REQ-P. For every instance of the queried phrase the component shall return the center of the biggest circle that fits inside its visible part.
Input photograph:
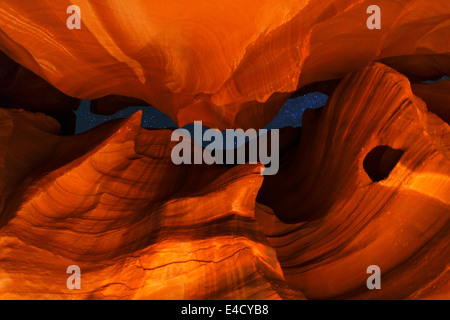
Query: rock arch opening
(380, 161)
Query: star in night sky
(151, 117)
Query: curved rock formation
(365, 181)
(110, 201)
(229, 64)
(436, 96)
(369, 184)
(420, 67)
(22, 89)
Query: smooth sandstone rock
(436, 96)
(230, 65)
(340, 220)
(365, 181)
(111, 202)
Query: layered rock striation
(231, 65)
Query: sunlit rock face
(111, 202)
(369, 184)
(365, 181)
(231, 64)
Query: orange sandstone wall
(340, 220)
(229, 64)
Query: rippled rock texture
(369, 184)
(232, 64)
(365, 181)
(112, 202)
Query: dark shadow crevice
(380, 161)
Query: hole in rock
(380, 161)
